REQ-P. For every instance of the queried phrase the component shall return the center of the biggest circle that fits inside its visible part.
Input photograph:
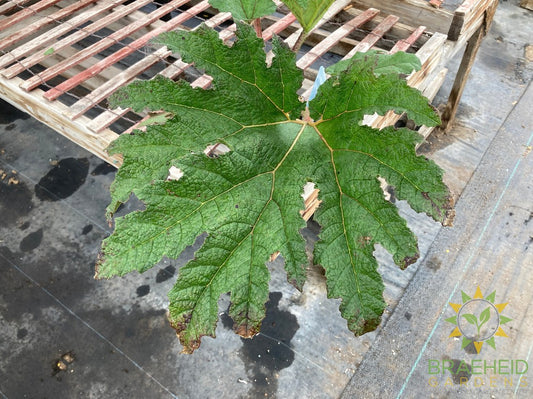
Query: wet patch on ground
(87, 229)
(63, 180)
(9, 114)
(103, 169)
(460, 370)
(16, 199)
(270, 351)
(31, 241)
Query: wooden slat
(414, 12)
(120, 80)
(75, 37)
(99, 46)
(405, 44)
(323, 47)
(48, 37)
(11, 5)
(106, 118)
(55, 92)
(26, 12)
(374, 36)
(278, 26)
(41, 23)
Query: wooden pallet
(60, 59)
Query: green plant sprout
(483, 318)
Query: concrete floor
(62, 334)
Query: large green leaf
(308, 12)
(249, 199)
(245, 10)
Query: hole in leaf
(388, 191)
(213, 151)
(174, 173)
(311, 201)
(273, 256)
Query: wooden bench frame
(39, 42)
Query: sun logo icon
(478, 320)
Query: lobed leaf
(245, 10)
(249, 200)
(308, 12)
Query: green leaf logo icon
(478, 320)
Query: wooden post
(467, 62)
(448, 116)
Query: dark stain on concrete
(143, 290)
(87, 229)
(15, 200)
(31, 241)
(21, 333)
(471, 349)
(461, 371)
(63, 180)
(24, 225)
(66, 274)
(408, 315)
(103, 169)
(165, 274)
(268, 352)
(434, 263)
(9, 114)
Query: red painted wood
(26, 12)
(374, 36)
(94, 49)
(404, 44)
(34, 27)
(321, 48)
(73, 38)
(278, 26)
(55, 92)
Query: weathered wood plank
(50, 36)
(310, 57)
(26, 12)
(278, 26)
(55, 92)
(414, 12)
(69, 40)
(527, 4)
(115, 83)
(11, 5)
(467, 62)
(405, 44)
(374, 36)
(44, 21)
(99, 46)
